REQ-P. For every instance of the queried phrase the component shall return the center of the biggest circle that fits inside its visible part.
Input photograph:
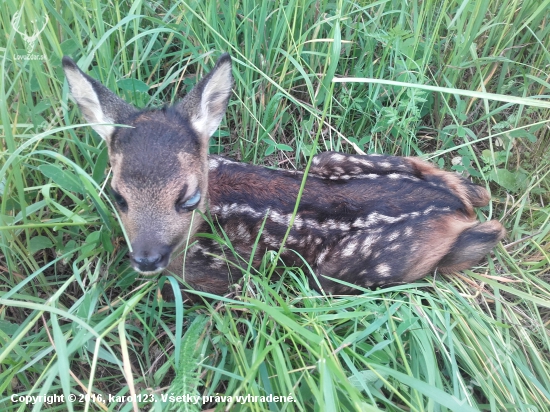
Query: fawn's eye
(119, 200)
(189, 204)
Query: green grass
(74, 318)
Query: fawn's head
(159, 162)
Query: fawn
(367, 220)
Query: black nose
(147, 262)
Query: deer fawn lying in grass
(367, 220)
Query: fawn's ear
(206, 103)
(97, 103)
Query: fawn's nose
(149, 262)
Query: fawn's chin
(149, 273)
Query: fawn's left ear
(206, 103)
(97, 103)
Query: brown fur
(366, 220)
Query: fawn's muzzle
(150, 261)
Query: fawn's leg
(471, 246)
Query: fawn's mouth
(151, 261)
(148, 274)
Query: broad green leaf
(133, 85)
(63, 178)
(38, 243)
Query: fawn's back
(366, 220)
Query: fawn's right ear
(97, 103)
